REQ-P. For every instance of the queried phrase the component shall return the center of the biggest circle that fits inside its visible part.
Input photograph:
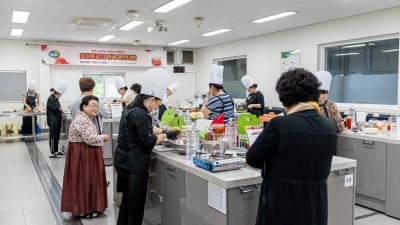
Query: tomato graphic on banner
(156, 61)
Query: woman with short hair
(84, 192)
(295, 154)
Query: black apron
(26, 127)
(251, 99)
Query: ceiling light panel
(171, 5)
(106, 37)
(131, 25)
(354, 46)
(220, 31)
(391, 50)
(274, 17)
(16, 32)
(179, 42)
(20, 17)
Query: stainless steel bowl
(167, 143)
(180, 146)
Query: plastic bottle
(231, 133)
(192, 143)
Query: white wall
(263, 52)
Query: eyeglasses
(94, 106)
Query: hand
(242, 103)
(29, 108)
(173, 135)
(105, 138)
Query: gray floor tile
(361, 211)
(14, 217)
(380, 219)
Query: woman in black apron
(255, 99)
(31, 101)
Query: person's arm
(337, 118)
(24, 102)
(103, 111)
(264, 145)
(89, 133)
(38, 102)
(204, 108)
(260, 99)
(53, 105)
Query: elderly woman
(295, 153)
(84, 191)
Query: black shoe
(90, 215)
(108, 183)
(55, 155)
(60, 153)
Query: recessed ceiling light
(16, 32)
(171, 5)
(354, 46)
(216, 32)
(178, 42)
(273, 17)
(131, 25)
(106, 37)
(20, 17)
(391, 50)
(352, 53)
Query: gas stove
(218, 162)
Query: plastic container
(352, 116)
(231, 133)
(192, 143)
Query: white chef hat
(32, 85)
(119, 82)
(217, 74)
(155, 82)
(247, 81)
(324, 77)
(173, 87)
(62, 87)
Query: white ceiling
(49, 19)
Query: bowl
(167, 143)
(180, 146)
(370, 130)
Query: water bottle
(231, 133)
(192, 143)
(352, 116)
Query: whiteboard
(12, 85)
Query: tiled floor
(23, 201)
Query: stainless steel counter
(15, 114)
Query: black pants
(53, 145)
(127, 215)
(26, 127)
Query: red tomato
(156, 61)
(43, 47)
(61, 61)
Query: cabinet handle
(246, 190)
(343, 173)
(368, 142)
(170, 168)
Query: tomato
(61, 61)
(156, 61)
(43, 47)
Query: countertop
(245, 176)
(234, 178)
(22, 114)
(380, 137)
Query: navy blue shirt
(219, 104)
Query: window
(187, 56)
(105, 86)
(234, 70)
(364, 72)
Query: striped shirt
(221, 103)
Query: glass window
(234, 70)
(364, 72)
(105, 86)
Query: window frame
(216, 61)
(364, 107)
(103, 75)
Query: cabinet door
(243, 204)
(345, 153)
(371, 168)
(107, 146)
(393, 181)
(345, 143)
(340, 198)
(173, 195)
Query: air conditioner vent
(92, 24)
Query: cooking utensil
(180, 146)
(167, 143)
